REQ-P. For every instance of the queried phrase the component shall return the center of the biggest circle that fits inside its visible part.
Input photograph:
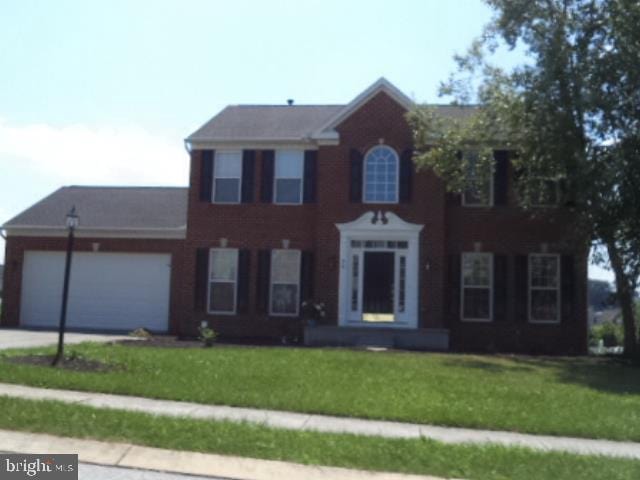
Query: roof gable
(381, 85)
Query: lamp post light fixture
(72, 223)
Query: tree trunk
(625, 297)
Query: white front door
(379, 272)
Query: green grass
(350, 451)
(584, 397)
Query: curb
(126, 455)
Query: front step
(379, 341)
(411, 339)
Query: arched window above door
(381, 166)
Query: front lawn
(350, 451)
(584, 397)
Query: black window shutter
(206, 175)
(268, 166)
(567, 193)
(355, 179)
(567, 289)
(454, 199)
(244, 265)
(248, 175)
(455, 289)
(499, 288)
(262, 285)
(306, 276)
(406, 176)
(201, 280)
(500, 177)
(310, 175)
(522, 288)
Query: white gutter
(178, 233)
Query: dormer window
(227, 176)
(289, 169)
(381, 175)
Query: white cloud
(78, 154)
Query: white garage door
(107, 291)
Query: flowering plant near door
(313, 312)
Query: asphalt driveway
(18, 338)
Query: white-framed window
(477, 195)
(477, 287)
(544, 288)
(223, 280)
(285, 283)
(289, 171)
(227, 176)
(381, 172)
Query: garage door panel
(110, 291)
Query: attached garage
(127, 255)
(107, 291)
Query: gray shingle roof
(109, 207)
(282, 122)
(265, 122)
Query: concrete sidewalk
(325, 423)
(191, 463)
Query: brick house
(311, 202)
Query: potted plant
(207, 335)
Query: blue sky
(104, 92)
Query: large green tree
(569, 112)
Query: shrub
(207, 335)
(611, 334)
(140, 333)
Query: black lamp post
(72, 224)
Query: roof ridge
(124, 187)
(241, 105)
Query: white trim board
(386, 226)
(152, 233)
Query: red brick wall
(447, 230)
(16, 246)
